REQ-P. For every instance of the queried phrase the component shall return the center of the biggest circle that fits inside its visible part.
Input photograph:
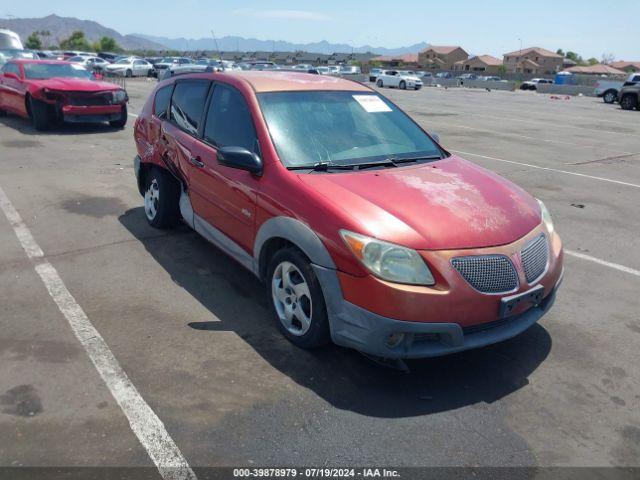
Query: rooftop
(541, 51)
(597, 69)
(442, 49)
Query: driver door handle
(196, 162)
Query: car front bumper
(354, 327)
(91, 114)
(448, 317)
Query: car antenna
(215, 40)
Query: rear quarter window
(187, 104)
(161, 102)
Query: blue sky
(588, 27)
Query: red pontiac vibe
(48, 91)
(364, 229)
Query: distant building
(480, 63)
(597, 69)
(534, 60)
(409, 60)
(441, 57)
(630, 67)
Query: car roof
(44, 60)
(275, 81)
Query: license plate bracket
(509, 304)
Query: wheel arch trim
(296, 232)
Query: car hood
(74, 85)
(447, 204)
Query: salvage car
(130, 67)
(364, 229)
(398, 79)
(49, 91)
(93, 64)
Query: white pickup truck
(398, 79)
(608, 89)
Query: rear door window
(229, 122)
(187, 105)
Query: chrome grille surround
(488, 273)
(535, 258)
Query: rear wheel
(129, 74)
(39, 112)
(609, 96)
(379, 84)
(3, 113)
(122, 121)
(403, 85)
(629, 102)
(297, 300)
(161, 199)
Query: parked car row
(609, 90)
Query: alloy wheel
(292, 298)
(151, 200)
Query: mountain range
(62, 27)
(242, 44)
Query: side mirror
(240, 158)
(435, 136)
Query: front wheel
(128, 74)
(122, 121)
(609, 97)
(296, 299)
(403, 85)
(628, 102)
(39, 112)
(379, 84)
(161, 199)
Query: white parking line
(615, 266)
(601, 179)
(146, 425)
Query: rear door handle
(196, 162)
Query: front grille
(90, 100)
(535, 256)
(487, 273)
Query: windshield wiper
(415, 159)
(321, 167)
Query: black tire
(418, 87)
(3, 113)
(128, 74)
(318, 333)
(39, 113)
(123, 119)
(403, 85)
(166, 211)
(610, 96)
(629, 102)
(380, 84)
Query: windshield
(341, 128)
(50, 70)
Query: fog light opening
(395, 339)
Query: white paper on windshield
(372, 103)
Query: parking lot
(192, 333)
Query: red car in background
(364, 229)
(50, 91)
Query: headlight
(546, 216)
(119, 96)
(388, 261)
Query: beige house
(533, 60)
(627, 66)
(441, 57)
(480, 63)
